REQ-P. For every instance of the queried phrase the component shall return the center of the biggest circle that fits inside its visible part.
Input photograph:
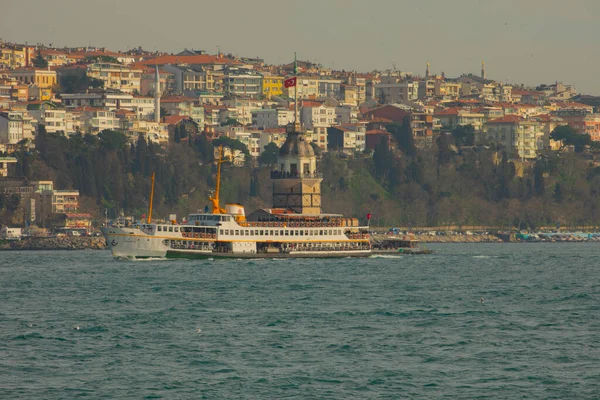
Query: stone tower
(296, 184)
(483, 70)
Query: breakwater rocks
(427, 238)
(55, 243)
(458, 239)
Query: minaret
(483, 70)
(157, 97)
(427, 70)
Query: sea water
(470, 321)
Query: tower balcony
(297, 175)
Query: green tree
(39, 61)
(269, 155)
(402, 133)
(112, 140)
(12, 202)
(464, 135)
(177, 134)
(570, 137)
(233, 144)
(558, 193)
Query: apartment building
(11, 127)
(270, 118)
(116, 76)
(520, 138)
(242, 82)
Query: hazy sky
(524, 41)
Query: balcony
(285, 175)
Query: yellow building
(15, 56)
(42, 78)
(272, 86)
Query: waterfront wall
(55, 243)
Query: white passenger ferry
(294, 227)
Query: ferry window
(330, 232)
(321, 232)
(301, 233)
(306, 232)
(276, 233)
(281, 232)
(237, 232)
(227, 231)
(176, 229)
(261, 232)
(287, 233)
(220, 231)
(170, 229)
(246, 232)
(160, 228)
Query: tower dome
(296, 145)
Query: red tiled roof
(507, 119)
(274, 130)
(84, 54)
(123, 111)
(212, 108)
(176, 99)
(311, 104)
(572, 105)
(174, 119)
(197, 59)
(54, 52)
(522, 92)
(449, 111)
(380, 120)
(377, 132)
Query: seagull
(482, 300)
(76, 328)
(198, 330)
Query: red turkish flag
(289, 82)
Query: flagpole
(296, 122)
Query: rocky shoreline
(424, 238)
(55, 243)
(458, 239)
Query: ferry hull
(131, 243)
(196, 255)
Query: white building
(143, 107)
(11, 127)
(272, 118)
(392, 89)
(53, 119)
(95, 120)
(108, 100)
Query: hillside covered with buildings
(82, 129)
